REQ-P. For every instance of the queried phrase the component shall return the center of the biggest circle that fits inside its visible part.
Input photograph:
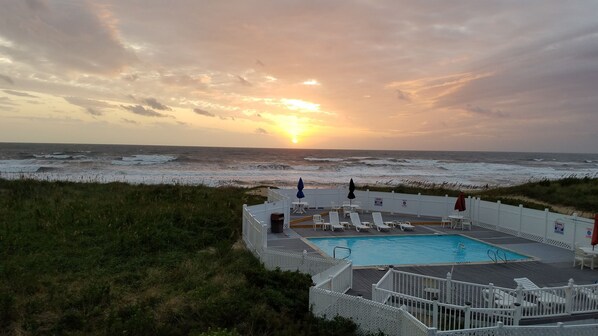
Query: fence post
(545, 224)
(449, 287)
(467, 315)
(517, 316)
(520, 219)
(419, 204)
(393, 202)
(435, 312)
(367, 197)
(491, 295)
(446, 206)
(519, 290)
(375, 293)
(500, 328)
(264, 235)
(574, 229)
(497, 215)
(561, 328)
(569, 296)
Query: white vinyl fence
(541, 226)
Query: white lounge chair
(379, 223)
(445, 221)
(335, 223)
(356, 222)
(504, 299)
(405, 226)
(545, 297)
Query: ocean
(249, 167)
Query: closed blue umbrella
(300, 193)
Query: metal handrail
(340, 247)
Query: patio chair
(583, 258)
(379, 223)
(356, 222)
(405, 226)
(545, 297)
(335, 223)
(445, 221)
(319, 221)
(466, 222)
(503, 299)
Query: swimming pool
(411, 250)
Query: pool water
(411, 250)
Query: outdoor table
(588, 250)
(456, 221)
(299, 207)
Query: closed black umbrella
(351, 190)
(300, 193)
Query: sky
(399, 75)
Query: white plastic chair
(335, 223)
(356, 222)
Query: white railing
(254, 232)
(371, 316)
(501, 330)
(338, 278)
(420, 291)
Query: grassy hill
(118, 259)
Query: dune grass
(575, 194)
(116, 259)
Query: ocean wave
(19, 166)
(143, 160)
(54, 156)
(272, 166)
(324, 159)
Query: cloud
(402, 95)
(261, 131)
(7, 79)
(203, 112)
(244, 81)
(140, 110)
(93, 107)
(129, 121)
(63, 36)
(6, 102)
(484, 111)
(20, 94)
(153, 103)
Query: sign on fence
(559, 227)
(378, 201)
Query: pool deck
(553, 266)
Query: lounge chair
(545, 297)
(405, 226)
(504, 299)
(335, 223)
(379, 223)
(356, 222)
(445, 221)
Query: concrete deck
(553, 265)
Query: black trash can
(276, 222)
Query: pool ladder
(341, 247)
(496, 256)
